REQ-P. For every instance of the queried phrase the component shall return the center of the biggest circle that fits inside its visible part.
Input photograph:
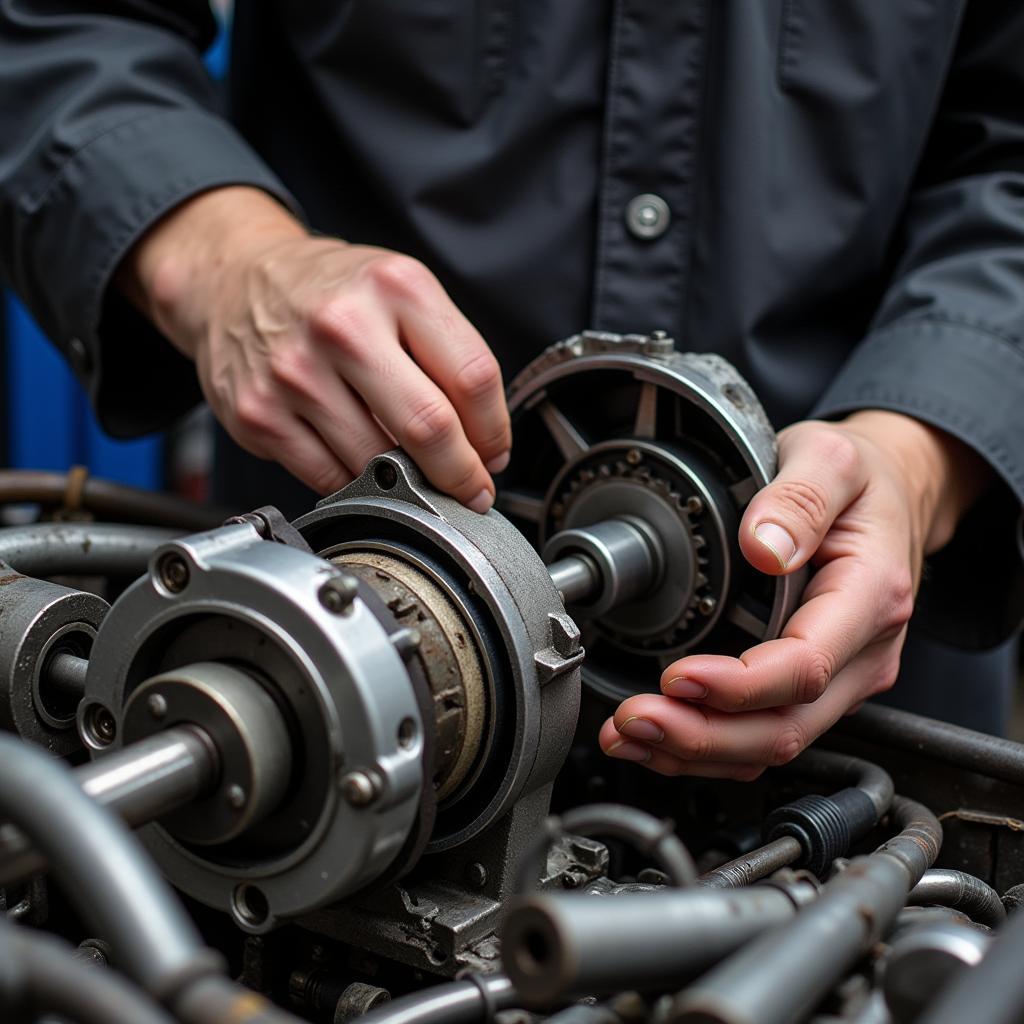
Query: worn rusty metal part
(446, 653)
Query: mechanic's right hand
(320, 354)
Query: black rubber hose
(844, 770)
(781, 976)
(470, 1001)
(959, 891)
(46, 978)
(116, 887)
(81, 549)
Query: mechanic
(830, 195)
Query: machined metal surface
(531, 649)
(292, 623)
(140, 784)
(679, 442)
(38, 620)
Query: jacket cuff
(102, 199)
(967, 380)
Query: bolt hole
(173, 572)
(251, 904)
(385, 475)
(407, 732)
(100, 725)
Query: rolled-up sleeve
(107, 121)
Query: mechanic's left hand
(863, 501)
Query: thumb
(821, 472)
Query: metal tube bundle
(562, 945)
(780, 977)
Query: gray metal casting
(229, 594)
(490, 572)
(698, 446)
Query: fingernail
(777, 541)
(482, 502)
(688, 689)
(642, 729)
(629, 751)
(499, 463)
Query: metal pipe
(66, 673)
(105, 871)
(81, 549)
(990, 993)
(48, 979)
(753, 866)
(576, 577)
(559, 946)
(965, 749)
(959, 891)
(782, 975)
(107, 500)
(471, 1001)
(828, 766)
(139, 783)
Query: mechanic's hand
(863, 501)
(319, 354)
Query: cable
(43, 977)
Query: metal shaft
(576, 577)
(140, 783)
(66, 672)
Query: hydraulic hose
(782, 975)
(105, 869)
(81, 549)
(106, 500)
(470, 1001)
(42, 977)
(959, 891)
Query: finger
(409, 405)
(821, 472)
(457, 359)
(769, 737)
(614, 745)
(337, 414)
(848, 605)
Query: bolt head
(173, 572)
(338, 594)
(236, 797)
(694, 505)
(707, 605)
(156, 703)
(634, 456)
(359, 789)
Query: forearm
(181, 259)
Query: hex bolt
(360, 789)
(694, 505)
(338, 594)
(236, 796)
(476, 874)
(173, 572)
(406, 642)
(707, 605)
(157, 705)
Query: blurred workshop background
(46, 420)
